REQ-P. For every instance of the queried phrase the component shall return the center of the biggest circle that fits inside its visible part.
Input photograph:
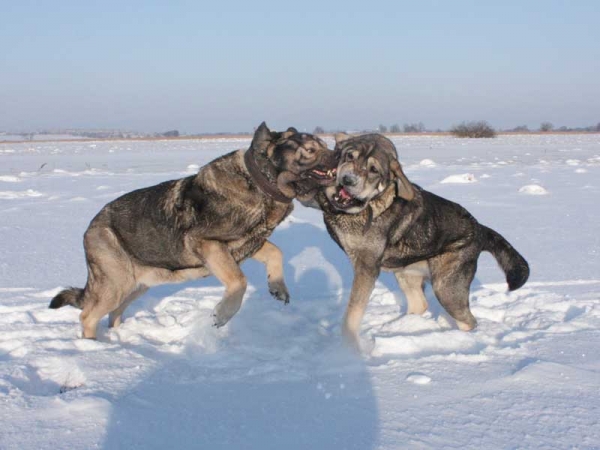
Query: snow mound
(418, 378)
(440, 343)
(11, 195)
(460, 179)
(533, 189)
(10, 179)
(427, 163)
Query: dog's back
(438, 226)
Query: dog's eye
(349, 157)
(373, 169)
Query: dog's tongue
(344, 194)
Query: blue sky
(226, 66)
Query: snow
(459, 179)
(427, 163)
(11, 195)
(9, 179)
(279, 376)
(533, 189)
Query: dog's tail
(72, 296)
(512, 263)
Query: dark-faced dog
(382, 221)
(201, 225)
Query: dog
(382, 221)
(201, 225)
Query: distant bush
(546, 126)
(520, 129)
(480, 129)
(395, 128)
(171, 133)
(414, 127)
(318, 130)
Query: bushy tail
(512, 263)
(72, 296)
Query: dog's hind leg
(99, 301)
(412, 286)
(270, 255)
(451, 279)
(110, 278)
(220, 263)
(114, 317)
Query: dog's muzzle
(349, 179)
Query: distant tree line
(546, 127)
(464, 129)
(473, 129)
(395, 128)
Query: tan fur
(221, 264)
(411, 280)
(114, 317)
(270, 255)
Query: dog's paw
(218, 322)
(279, 292)
(225, 310)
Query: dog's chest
(275, 213)
(269, 217)
(347, 231)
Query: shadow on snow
(281, 378)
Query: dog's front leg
(220, 263)
(366, 271)
(270, 255)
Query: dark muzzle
(349, 180)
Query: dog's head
(292, 151)
(367, 166)
(299, 163)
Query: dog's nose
(349, 180)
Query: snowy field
(278, 377)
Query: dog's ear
(286, 134)
(341, 137)
(404, 188)
(262, 138)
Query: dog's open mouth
(322, 175)
(343, 199)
